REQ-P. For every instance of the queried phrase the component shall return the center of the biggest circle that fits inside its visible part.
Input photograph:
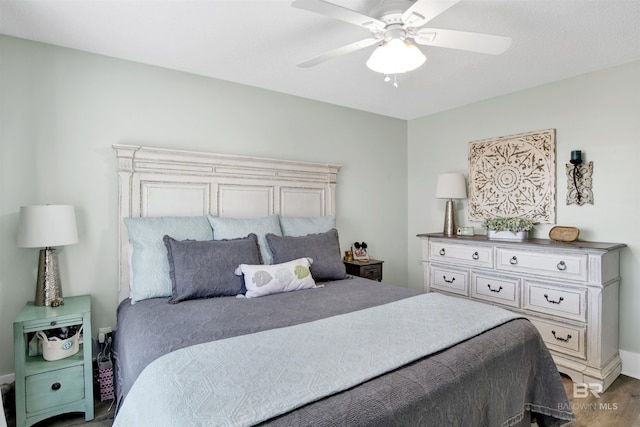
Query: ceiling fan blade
(338, 52)
(423, 11)
(463, 40)
(338, 12)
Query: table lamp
(45, 226)
(450, 186)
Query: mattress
(500, 377)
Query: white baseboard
(630, 364)
(7, 379)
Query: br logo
(581, 390)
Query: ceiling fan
(394, 24)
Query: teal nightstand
(43, 388)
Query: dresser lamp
(46, 226)
(450, 186)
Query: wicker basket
(56, 349)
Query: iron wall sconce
(579, 180)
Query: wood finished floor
(619, 406)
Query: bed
(341, 351)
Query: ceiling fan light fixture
(396, 56)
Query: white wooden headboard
(164, 182)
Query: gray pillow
(323, 248)
(205, 269)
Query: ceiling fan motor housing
(395, 31)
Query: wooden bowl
(564, 234)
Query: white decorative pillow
(149, 271)
(261, 280)
(235, 228)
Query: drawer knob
(496, 290)
(513, 260)
(443, 252)
(550, 301)
(561, 266)
(449, 281)
(475, 255)
(55, 386)
(53, 323)
(560, 338)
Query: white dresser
(569, 291)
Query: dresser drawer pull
(55, 386)
(53, 323)
(449, 281)
(475, 255)
(550, 301)
(560, 338)
(561, 266)
(513, 260)
(443, 252)
(494, 290)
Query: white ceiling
(259, 43)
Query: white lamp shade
(395, 57)
(44, 226)
(451, 186)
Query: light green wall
(598, 113)
(61, 110)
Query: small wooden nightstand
(44, 388)
(371, 269)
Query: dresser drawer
(567, 339)
(559, 265)
(503, 290)
(449, 280)
(570, 303)
(54, 388)
(474, 256)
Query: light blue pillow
(234, 228)
(301, 226)
(149, 264)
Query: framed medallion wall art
(513, 176)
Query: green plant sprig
(508, 224)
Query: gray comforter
(496, 378)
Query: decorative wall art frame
(514, 176)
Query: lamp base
(48, 285)
(449, 219)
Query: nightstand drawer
(503, 290)
(561, 337)
(567, 302)
(43, 324)
(559, 265)
(474, 256)
(371, 269)
(373, 272)
(450, 280)
(54, 388)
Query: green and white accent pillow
(261, 280)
